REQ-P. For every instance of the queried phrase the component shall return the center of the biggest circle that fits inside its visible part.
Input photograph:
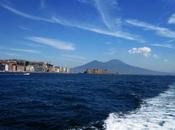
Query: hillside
(115, 66)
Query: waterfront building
(2, 67)
(67, 70)
(57, 69)
(30, 68)
(50, 68)
(61, 69)
(11, 67)
(20, 68)
(15, 65)
(8, 64)
(97, 71)
(14, 68)
(6, 67)
(37, 66)
(64, 70)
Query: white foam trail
(156, 114)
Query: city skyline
(17, 65)
(74, 32)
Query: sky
(74, 32)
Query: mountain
(116, 66)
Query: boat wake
(157, 113)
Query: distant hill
(116, 66)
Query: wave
(156, 113)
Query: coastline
(4, 73)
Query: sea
(48, 101)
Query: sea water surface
(86, 102)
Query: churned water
(86, 102)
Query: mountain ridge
(116, 66)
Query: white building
(30, 68)
(57, 69)
(6, 67)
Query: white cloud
(55, 20)
(61, 45)
(104, 8)
(145, 51)
(171, 20)
(24, 28)
(24, 50)
(117, 34)
(19, 50)
(163, 45)
(10, 54)
(25, 15)
(165, 32)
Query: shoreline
(35, 72)
(2, 72)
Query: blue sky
(73, 32)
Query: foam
(155, 114)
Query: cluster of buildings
(97, 71)
(15, 65)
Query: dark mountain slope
(115, 66)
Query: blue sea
(86, 102)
